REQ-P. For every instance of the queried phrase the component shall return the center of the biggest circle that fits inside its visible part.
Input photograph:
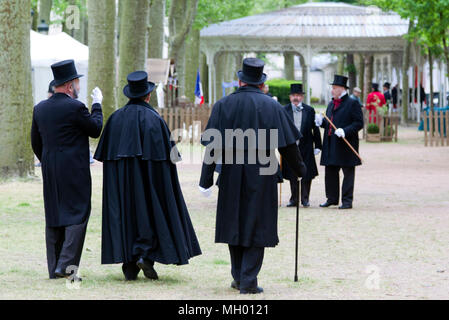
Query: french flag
(199, 98)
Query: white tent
(46, 50)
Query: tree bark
(182, 16)
(341, 64)
(133, 41)
(102, 63)
(35, 19)
(204, 71)
(351, 71)
(369, 59)
(304, 75)
(361, 84)
(289, 66)
(45, 10)
(431, 79)
(156, 33)
(405, 67)
(192, 62)
(16, 99)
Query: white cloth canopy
(46, 50)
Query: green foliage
(210, 12)
(373, 128)
(314, 100)
(388, 131)
(280, 88)
(60, 6)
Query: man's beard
(75, 93)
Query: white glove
(340, 133)
(205, 192)
(318, 120)
(316, 151)
(97, 96)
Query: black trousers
(64, 247)
(246, 263)
(305, 191)
(332, 181)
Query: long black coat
(247, 208)
(60, 139)
(349, 117)
(144, 213)
(310, 140)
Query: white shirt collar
(343, 94)
(299, 105)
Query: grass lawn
(397, 233)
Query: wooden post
(426, 128)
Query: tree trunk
(102, 63)
(431, 80)
(341, 64)
(16, 99)
(133, 41)
(192, 62)
(361, 84)
(369, 59)
(352, 73)
(405, 67)
(79, 33)
(156, 33)
(45, 10)
(304, 75)
(204, 71)
(35, 19)
(182, 16)
(289, 66)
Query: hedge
(281, 89)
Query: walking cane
(297, 231)
(349, 145)
(280, 184)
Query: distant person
(394, 96)
(266, 90)
(374, 100)
(386, 92)
(51, 89)
(356, 92)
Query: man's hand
(97, 96)
(340, 133)
(318, 120)
(316, 151)
(205, 192)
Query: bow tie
(297, 108)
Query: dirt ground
(392, 245)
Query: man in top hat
(374, 100)
(310, 144)
(386, 92)
(145, 218)
(247, 199)
(60, 135)
(346, 114)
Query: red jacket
(374, 100)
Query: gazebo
(310, 29)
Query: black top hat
(296, 88)
(375, 86)
(340, 81)
(252, 71)
(64, 71)
(138, 85)
(387, 85)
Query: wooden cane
(280, 184)
(297, 231)
(349, 145)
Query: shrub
(373, 128)
(389, 131)
(314, 100)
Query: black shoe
(255, 290)
(235, 285)
(306, 204)
(292, 204)
(60, 274)
(147, 269)
(345, 206)
(130, 271)
(327, 204)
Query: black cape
(247, 208)
(144, 213)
